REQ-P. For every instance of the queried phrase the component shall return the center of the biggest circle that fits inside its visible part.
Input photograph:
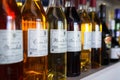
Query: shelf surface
(110, 72)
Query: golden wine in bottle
(35, 36)
(96, 36)
(57, 41)
(86, 34)
(11, 42)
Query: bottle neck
(82, 7)
(92, 9)
(67, 4)
(54, 3)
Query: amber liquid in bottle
(35, 36)
(86, 30)
(73, 39)
(11, 64)
(57, 41)
(96, 36)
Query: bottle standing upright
(96, 36)
(106, 36)
(86, 30)
(115, 31)
(117, 25)
(57, 41)
(73, 39)
(11, 42)
(115, 48)
(35, 36)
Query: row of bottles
(51, 45)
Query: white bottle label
(73, 41)
(58, 41)
(115, 53)
(11, 46)
(96, 39)
(87, 40)
(37, 43)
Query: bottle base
(73, 75)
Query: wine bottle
(115, 48)
(11, 42)
(117, 25)
(35, 36)
(57, 41)
(73, 39)
(86, 30)
(106, 36)
(96, 36)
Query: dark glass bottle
(11, 46)
(73, 39)
(106, 36)
(96, 36)
(115, 48)
(117, 25)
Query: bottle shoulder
(71, 14)
(84, 16)
(33, 10)
(55, 13)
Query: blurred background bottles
(57, 24)
(73, 39)
(117, 25)
(115, 48)
(96, 36)
(106, 36)
(35, 36)
(86, 30)
(11, 47)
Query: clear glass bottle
(86, 31)
(57, 41)
(35, 36)
(96, 36)
(11, 41)
(73, 39)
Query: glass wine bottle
(57, 41)
(11, 42)
(106, 36)
(73, 39)
(115, 48)
(86, 30)
(96, 36)
(35, 36)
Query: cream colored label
(37, 43)
(73, 41)
(11, 46)
(58, 41)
